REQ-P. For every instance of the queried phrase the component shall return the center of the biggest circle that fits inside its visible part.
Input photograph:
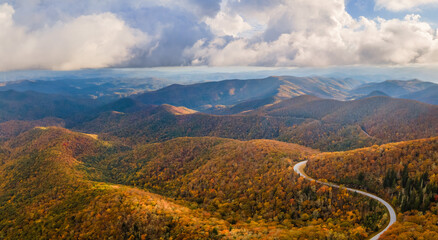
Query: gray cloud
(151, 33)
(174, 31)
(207, 7)
(170, 26)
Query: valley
(219, 161)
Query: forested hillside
(145, 169)
(404, 173)
(61, 184)
(34, 106)
(14, 128)
(109, 88)
(203, 96)
(324, 124)
(47, 194)
(160, 123)
(218, 120)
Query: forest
(404, 173)
(218, 119)
(142, 171)
(63, 184)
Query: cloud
(403, 5)
(72, 34)
(206, 7)
(328, 37)
(92, 41)
(172, 31)
(171, 26)
(40, 12)
(227, 25)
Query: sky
(83, 34)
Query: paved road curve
(299, 168)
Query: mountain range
(215, 160)
(411, 89)
(241, 109)
(104, 89)
(203, 96)
(394, 88)
(325, 124)
(215, 97)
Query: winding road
(299, 168)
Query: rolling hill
(375, 94)
(104, 89)
(195, 162)
(307, 120)
(337, 125)
(160, 123)
(203, 96)
(428, 95)
(393, 88)
(14, 128)
(237, 181)
(425, 92)
(45, 193)
(240, 108)
(404, 173)
(34, 106)
(60, 184)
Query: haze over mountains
(231, 92)
(411, 89)
(102, 88)
(201, 96)
(320, 123)
(219, 119)
(211, 160)
(243, 109)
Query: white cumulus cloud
(402, 5)
(72, 34)
(225, 24)
(328, 36)
(89, 41)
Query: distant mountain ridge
(375, 94)
(325, 124)
(394, 88)
(415, 89)
(242, 113)
(216, 160)
(428, 95)
(234, 96)
(202, 96)
(32, 105)
(99, 88)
